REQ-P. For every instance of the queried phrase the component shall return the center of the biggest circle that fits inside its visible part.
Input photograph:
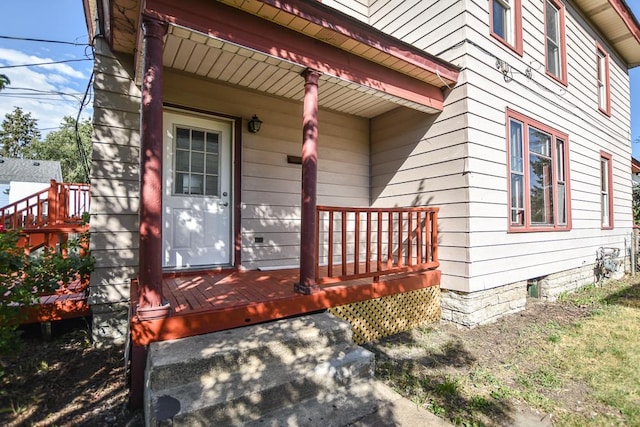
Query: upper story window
(603, 84)
(506, 22)
(538, 157)
(556, 58)
(606, 190)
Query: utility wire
(84, 158)
(44, 63)
(37, 98)
(43, 40)
(53, 92)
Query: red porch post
(150, 227)
(307, 284)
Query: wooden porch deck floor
(203, 302)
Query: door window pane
(197, 142)
(182, 161)
(197, 162)
(183, 138)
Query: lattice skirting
(377, 318)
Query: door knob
(225, 203)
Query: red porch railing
(356, 243)
(47, 217)
(61, 203)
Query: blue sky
(64, 20)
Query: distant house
(635, 170)
(22, 177)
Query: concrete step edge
(249, 397)
(310, 331)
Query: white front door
(197, 201)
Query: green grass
(599, 352)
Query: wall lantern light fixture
(254, 124)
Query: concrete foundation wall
(477, 308)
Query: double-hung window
(506, 22)
(603, 85)
(538, 164)
(606, 191)
(556, 62)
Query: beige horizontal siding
(114, 178)
(271, 186)
(498, 257)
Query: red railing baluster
(356, 245)
(400, 238)
(379, 263)
(434, 236)
(343, 217)
(419, 237)
(318, 221)
(389, 240)
(368, 254)
(330, 260)
(410, 238)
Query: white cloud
(47, 109)
(15, 57)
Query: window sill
(536, 229)
(517, 48)
(563, 81)
(605, 112)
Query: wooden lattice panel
(377, 318)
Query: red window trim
(527, 227)
(563, 42)
(607, 83)
(609, 158)
(517, 16)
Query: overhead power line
(43, 40)
(39, 91)
(44, 63)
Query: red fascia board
(241, 28)
(621, 8)
(338, 22)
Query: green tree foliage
(62, 145)
(636, 203)
(18, 130)
(23, 278)
(4, 81)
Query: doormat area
(377, 318)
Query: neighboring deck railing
(355, 243)
(62, 203)
(46, 218)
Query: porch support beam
(307, 284)
(151, 302)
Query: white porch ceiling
(196, 53)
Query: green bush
(23, 278)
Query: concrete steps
(301, 371)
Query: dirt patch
(64, 382)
